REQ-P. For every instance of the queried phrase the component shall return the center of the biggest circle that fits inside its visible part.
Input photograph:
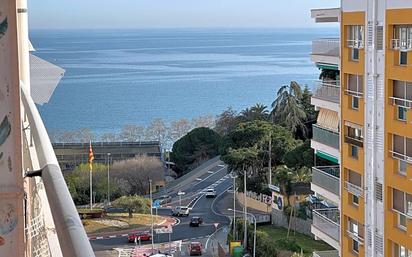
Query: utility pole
(234, 205)
(108, 178)
(151, 211)
(245, 209)
(270, 158)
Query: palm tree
(256, 112)
(287, 109)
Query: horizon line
(178, 27)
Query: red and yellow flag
(91, 156)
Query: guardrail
(353, 189)
(328, 90)
(71, 234)
(326, 46)
(325, 136)
(406, 103)
(327, 221)
(401, 44)
(327, 177)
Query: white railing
(327, 221)
(354, 93)
(353, 189)
(72, 237)
(406, 103)
(401, 156)
(355, 43)
(333, 253)
(328, 90)
(355, 236)
(401, 44)
(326, 46)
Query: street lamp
(180, 193)
(108, 178)
(233, 175)
(254, 235)
(151, 210)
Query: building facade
(372, 183)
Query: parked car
(195, 221)
(144, 236)
(180, 211)
(211, 192)
(164, 199)
(195, 248)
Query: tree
(132, 175)
(287, 109)
(311, 113)
(157, 130)
(300, 156)
(133, 204)
(179, 128)
(256, 112)
(108, 137)
(284, 177)
(132, 133)
(84, 135)
(226, 121)
(207, 121)
(198, 145)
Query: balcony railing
(327, 177)
(406, 103)
(333, 253)
(355, 43)
(325, 136)
(401, 44)
(328, 90)
(353, 189)
(401, 156)
(327, 221)
(358, 141)
(72, 237)
(326, 46)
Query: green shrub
(287, 244)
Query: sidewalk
(218, 246)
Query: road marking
(210, 172)
(198, 179)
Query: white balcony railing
(401, 156)
(327, 221)
(353, 189)
(328, 90)
(401, 44)
(354, 43)
(71, 234)
(406, 103)
(333, 253)
(326, 46)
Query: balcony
(326, 226)
(326, 254)
(328, 90)
(353, 189)
(358, 141)
(326, 51)
(325, 136)
(402, 102)
(326, 15)
(326, 178)
(401, 44)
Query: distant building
(70, 155)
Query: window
(355, 36)
(402, 148)
(403, 58)
(402, 204)
(402, 166)
(354, 151)
(402, 37)
(355, 54)
(355, 102)
(401, 251)
(402, 113)
(355, 246)
(354, 85)
(401, 221)
(355, 200)
(402, 93)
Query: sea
(117, 77)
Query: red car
(144, 236)
(195, 248)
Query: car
(180, 211)
(164, 199)
(210, 192)
(195, 248)
(144, 236)
(195, 221)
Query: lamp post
(234, 204)
(151, 210)
(108, 178)
(245, 209)
(180, 193)
(254, 235)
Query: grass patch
(278, 236)
(119, 221)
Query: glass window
(355, 200)
(399, 144)
(409, 205)
(354, 151)
(355, 102)
(355, 54)
(402, 221)
(402, 113)
(398, 200)
(355, 178)
(402, 251)
(402, 166)
(355, 246)
(403, 58)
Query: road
(214, 175)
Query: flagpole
(91, 186)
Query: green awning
(327, 157)
(327, 66)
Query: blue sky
(173, 13)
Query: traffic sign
(181, 193)
(164, 230)
(156, 204)
(216, 225)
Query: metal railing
(401, 44)
(358, 141)
(355, 43)
(325, 136)
(327, 221)
(333, 253)
(401, 156)
(353, 189)
(326, 46)
(328, 90)
(71, 234)
(406, 103)
(327, 177)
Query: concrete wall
(299, 225)
(252, 203)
